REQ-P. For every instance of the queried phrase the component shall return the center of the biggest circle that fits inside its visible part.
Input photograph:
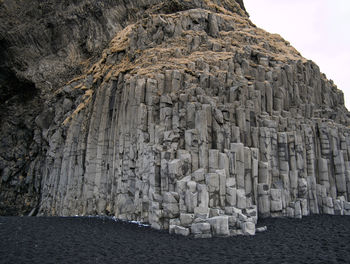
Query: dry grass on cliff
(162, 57)
(157, 58)
(232, 4)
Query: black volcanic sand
(316, 239)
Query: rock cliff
(181, 114)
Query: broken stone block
(213, 25)
(346, 205)
(248, 228)
(191, 200)
(186, 161)
(224, 163)
(232, 221)
(290, 212)
(169, 197)
(241, 199)
(263, 200)
(242, 217)
(261, 229)
(175, 169)
(213, 182)
(250, 211)
(171, 210)
(201, 212)
(329, 202)
(338, 207)
(181, 185)
(232, 163)
(231, 196)
(297, 210)
(214, 212)
(186, 219)
(230, 182)
(198, 175)
(172, 229)
(302, 188)
(203, 195)
(222, 186)
(304, 207)
(180, 230)
(218, 116)
(213, 160)
(239, 150)
(229, 210)
(276, 200)
(174, 222)
(219, 225)
(201, 230)
(263, 173)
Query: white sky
(318, 29)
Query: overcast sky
(318, 29)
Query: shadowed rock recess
(191, 119)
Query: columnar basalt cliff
(192, 120)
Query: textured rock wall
(44, 44)
(198, 122)
(186, 126)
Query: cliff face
(192, 119)
(42, 46)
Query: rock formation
(192, 119)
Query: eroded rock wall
(197, 122)
(43, 45)
(192, 120)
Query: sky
(318, 29)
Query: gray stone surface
(180, 230)
(248, 228)
(201, 230)
(219, 225)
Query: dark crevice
(175, 6)
(12, 87)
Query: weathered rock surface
(192, 120)
(43, 45)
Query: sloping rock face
(43, 45)
(193, 120)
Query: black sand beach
(316, 239)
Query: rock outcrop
(43, 45)
(193, 120)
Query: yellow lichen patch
(101, 72)
(67, 120)
(87, 99)
(88, 93)
(124, 66)
(78, 78)
(80, 85)
(84, 88)
(108, 76)
(121, 41)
